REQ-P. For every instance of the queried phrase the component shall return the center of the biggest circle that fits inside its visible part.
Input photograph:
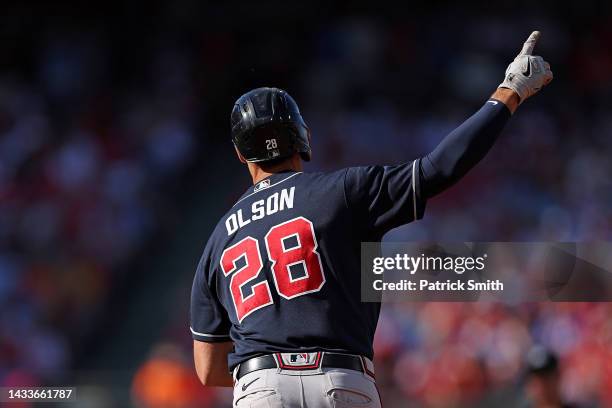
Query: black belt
(328, 360)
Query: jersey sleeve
(208, 319)
(384, 197)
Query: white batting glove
(527, 74)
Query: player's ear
(240, 157)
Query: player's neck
(260, 172)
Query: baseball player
(275, 303)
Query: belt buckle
(298, 361)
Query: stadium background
(115, 163)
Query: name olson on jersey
(274, 203)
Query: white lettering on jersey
(286, 198)
(258, 210)
(272, 204)
(231, 224)
(241, 221)
(278, 201)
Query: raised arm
(465, 146)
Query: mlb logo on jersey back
(261, 185)
(299, 358)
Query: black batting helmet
(267, 125)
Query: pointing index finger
(530, 43)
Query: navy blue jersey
(281, 271)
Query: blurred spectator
(543, 379)
(168, 380)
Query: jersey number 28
(284, 256)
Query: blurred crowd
(447, 355)
(90, 160)
(84, 176)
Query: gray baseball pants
(319, 388)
